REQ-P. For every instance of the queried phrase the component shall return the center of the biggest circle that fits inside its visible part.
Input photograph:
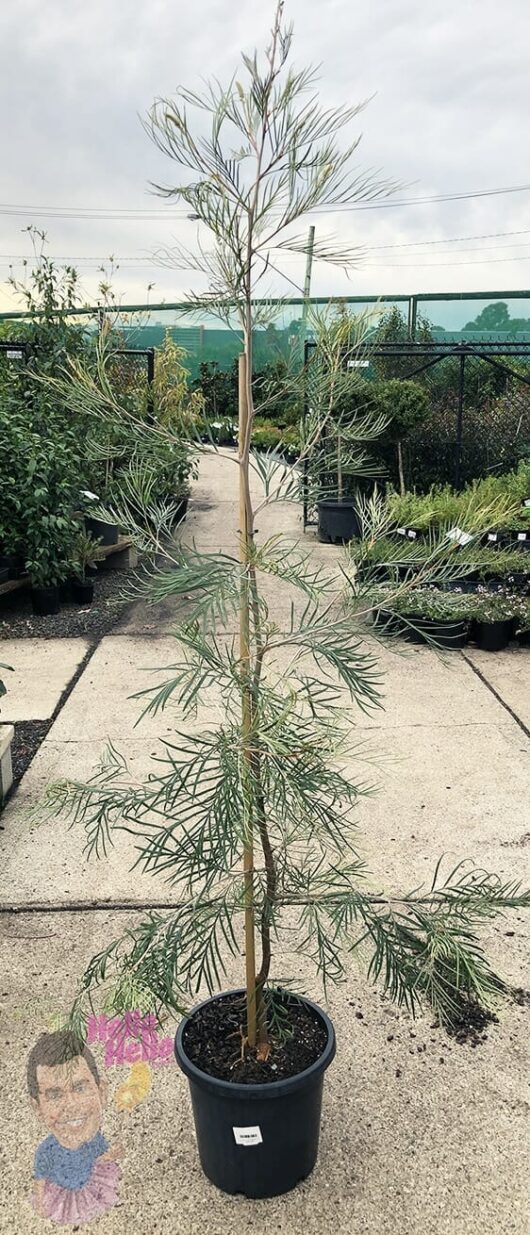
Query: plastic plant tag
(401, 531)
(93, 497)
(526, 502)
(460, 537)
(411, 535)
(521, 535)
(493, 535)
(248, 1136)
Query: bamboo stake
(246, 709)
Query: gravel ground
(28, 736)
(112, 595)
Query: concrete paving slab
(509, 674)
(42, 670)
(45, 860)
(419, 1134)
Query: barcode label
(248, 1136)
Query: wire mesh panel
(476, 420)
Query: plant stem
(246, 710)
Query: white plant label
(526, 502)
(492, 536)
(93, 497)
(460, 537)
(12, 355)
(411, 535)
(401, 531)
(248, 1136)
(521, 535)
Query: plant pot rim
(330, 503)
(256, 1092)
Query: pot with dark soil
(45, 600)
(338, 521)
(257, 1123)
(99, 529)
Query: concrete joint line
(497, 696)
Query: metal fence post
(460, 420)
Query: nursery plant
(343, 417)
(251, 821)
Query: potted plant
(494, 619)
(85, 555)
(430, 615)
(406, 405)
(495, 616)
(342, 419)
(252, 819)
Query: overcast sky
(450, 115)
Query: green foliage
(86, 552)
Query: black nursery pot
(257, 1140)
(45, 600)
(82, 591)
(338, 522)
(447, 635)
(494, 636)
(107, 533)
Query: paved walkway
(420, 1135)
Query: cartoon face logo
(76, 1172)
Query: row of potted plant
(452, 618)
(507, 496)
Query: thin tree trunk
(246, 711)
(402, 488)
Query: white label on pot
(492, 535)
(14, 355)
(411, 535)
(521, 535)
(526, 501)
(248, 1136)
(93, 497)
(401, 531)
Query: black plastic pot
(523, 638)
(4, 574)
(107, 533)
(385, 621)
(494, 636)
(65, 591)
(520, 539)
(449, 635)
(45, 600)
(83, 591)
(338, 522)
(258, 1140)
